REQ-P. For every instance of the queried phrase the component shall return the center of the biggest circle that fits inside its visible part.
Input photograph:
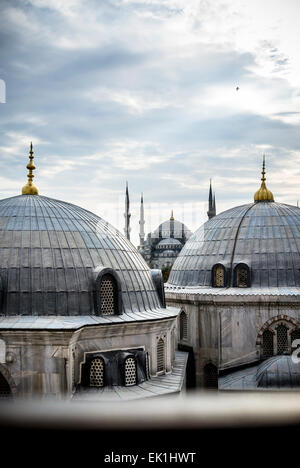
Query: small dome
(49, 252)
(278, 372)
(265, 236)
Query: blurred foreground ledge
(196, 410)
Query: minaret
(142, 222)
(30, 188)
(211, 203)
(127, 215)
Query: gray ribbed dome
(265, 236)
(49, 250)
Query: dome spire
(263, 194)
(30, 188)
(172, 216)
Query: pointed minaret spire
(214, 204)
(30, 188)
(172, 216)
(211, 203)
(127, 215)
(142, 222)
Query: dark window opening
(183, 325)
(5, 390)
(210, 376)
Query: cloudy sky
(145, 91)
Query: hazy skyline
(145, 91)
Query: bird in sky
(237, 88)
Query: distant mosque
(163, 245)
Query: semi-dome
(264, 236)
(51, 252)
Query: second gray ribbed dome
(265, 236)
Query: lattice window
(295, 335)
(242, 277)
(160, 355)
(219, 276)
(183, 325)
(268, 344)
(282, 339)
(130, 372)
(107, 294)
(210, 376)
(97, 373)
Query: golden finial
(172, 217)
(30, 188)
(263, 194)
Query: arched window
(282, 339)
(242, 276)
(218, 276)
(210, 376)
(130, 371)
(160, 355)
(97, 373)
(183, 325)
(108, 295)
(268, 344)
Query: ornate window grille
(219, 276)
(108, 295)
(242, 277)
(282, 339)
(160, 355)
(183, 325)
(97, 373)
(268, 344)
(130, 372)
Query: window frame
(163, 370)
(235, 275)
(183, 316)
(118, 303)
(89, 374)
(124, 370)
(213, 275)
